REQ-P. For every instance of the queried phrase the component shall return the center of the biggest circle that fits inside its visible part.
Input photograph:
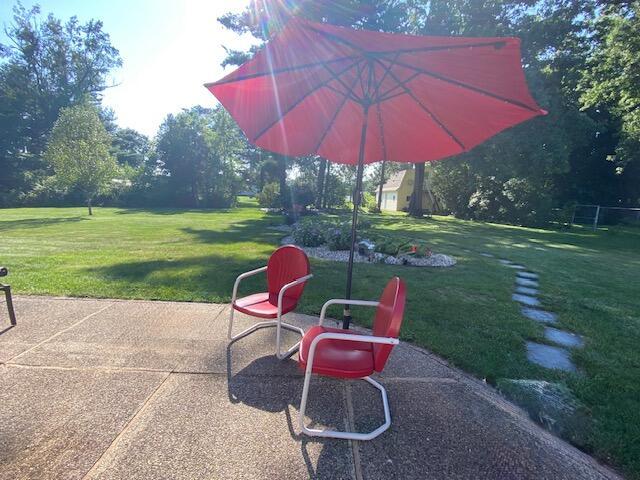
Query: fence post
(595, 220)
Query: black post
(354, 222)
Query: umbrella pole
(354, 221)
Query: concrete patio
(151, 390)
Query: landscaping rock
(526, 300)
(550, 357)
(561, 337)
(540, 315)
(528, 275)
(551, 404)
(524, 282)
(323, 252)
(527, 291)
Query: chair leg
(279, 326)
(344, 435)
(230, 324)
(7, 294)
(266, 324)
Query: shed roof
(394, 181)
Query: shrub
(389, 247)
(309, 234)
(269, 197)
(339, 236)
(303, 194)
(368, 201)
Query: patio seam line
(60, 332)
(127, 425)
(355, 445)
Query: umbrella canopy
(357, 96)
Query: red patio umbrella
(358, 96)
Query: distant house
(396, 193)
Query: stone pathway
(526, 294)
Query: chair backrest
(286, 264)
(388, 320)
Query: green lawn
(463, 313)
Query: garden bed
(323, 252)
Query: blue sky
(169, 49)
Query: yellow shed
(396, 193)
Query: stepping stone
(550, 357)
(516, 266)
(526, 300)
(528, 275)
(525, 282)
(488, 255)
(527, 291)
(504, 261)
(562, 337)
(540, 315)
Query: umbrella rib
(299, 101)
(340, 92)
(348, 89)
(466, 86)
(387, 95)
(333, 119)
(281, 70)
(496, 44)
(423, 107)
(336, 38)
(339, 39)
(384, 77)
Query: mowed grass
(464, 313)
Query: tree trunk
(282, 179)
(415, 205)
(381, 184)
(322, 169)
(327, 178)
(194, 193)
(89, 206)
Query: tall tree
(611, 83)
(200, 150)
(45, 66)
(415, 204)
(79, 151)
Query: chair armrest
(349, 337)
(241, 277)
(341, 301)
(287, 287)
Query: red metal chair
(341, 353)
(287, 271)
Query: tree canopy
(79, 152)
(45, 66)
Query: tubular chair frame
(277, 322)
(309, 371)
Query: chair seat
(337, 358)
(263, 305)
